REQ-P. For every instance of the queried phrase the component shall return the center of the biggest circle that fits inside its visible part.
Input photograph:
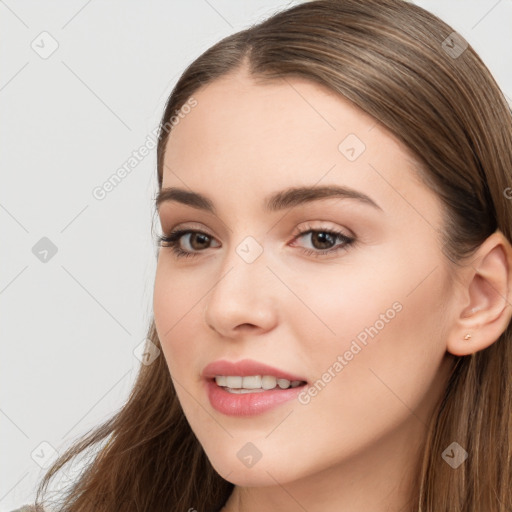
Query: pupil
(321, 236)
(199, 236)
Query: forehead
(247, 114)
(256, 138)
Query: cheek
(177, 293)
(176, 303)
(341, 303)
(385, 321)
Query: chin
(253, 477)
(261, 474)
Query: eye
(323, 241)
(197, 241)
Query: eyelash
(172, 240)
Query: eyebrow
(281, 200)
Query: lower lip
(248, 404)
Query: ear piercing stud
(467, 337)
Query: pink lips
(246, 404)
(245, 368)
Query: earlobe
(485, 307)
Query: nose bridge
(240, 294)
(244, 263)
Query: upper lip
(245, 368)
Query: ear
(484, 309)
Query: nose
(243, 299)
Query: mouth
(250, 374)
(247, 387)
(241, 401)
(254, 383)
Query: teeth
(283, 383)
(221, 380)
(253, 382)
(268, 382)
(234, 382)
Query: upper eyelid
(297, 232)
(346, 241)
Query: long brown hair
(397, 62)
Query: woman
(333, 291)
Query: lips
(246, 368)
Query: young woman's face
(362, 322)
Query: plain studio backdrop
(82, 87)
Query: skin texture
(355, 445)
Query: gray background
(71, 322)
